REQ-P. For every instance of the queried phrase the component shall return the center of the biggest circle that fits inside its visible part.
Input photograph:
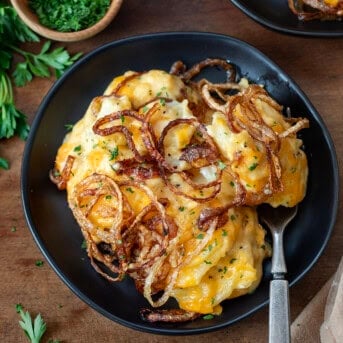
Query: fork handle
(279, 325)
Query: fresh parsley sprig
(33, 330)
(13, 32)
(41, 63)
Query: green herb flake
(253, 166)
(84, 244)
(114, 153)
(18, 307)
(221, 165)
(129, 189)
(145, 109)
(233, 217)
(122, 119)
(78, 148)
(69, 127)
(39, 263)
(224, 233)
(163, 102)
(208, 317)
(207, 262)
(108, 197)
(232, 184)
(182, 208)
(233, 260)
(200, 236)
(56, 173)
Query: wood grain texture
(315, 64)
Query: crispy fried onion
(102, 128)
(242, 114)
(178, 68)
(315, 9)
(127, 79)
(133, 243)
(174, 259)
(60, 179)
(199, 154)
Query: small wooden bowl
(31, 20)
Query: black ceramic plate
(54, 228)
(276, 15)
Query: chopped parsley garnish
(108, 197)
(207, 262)
(129, 189)
(253, 166)
(39, 263)
(163, 102)
(224, 233)
(114, 153)
(200, 236)
(233, 260)
(221, 165)
(69, 127)
(69, 15)
(84, 244)
(78, 148)
(182, 208)
(208, 316)
(122, 119)
(233, 217)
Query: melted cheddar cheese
(230, 263)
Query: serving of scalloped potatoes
(164, 175)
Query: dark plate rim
(274, 26)
(35, 126)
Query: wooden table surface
(315, 64)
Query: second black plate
(276, 15)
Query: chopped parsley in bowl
(69, 15)
(67, 20)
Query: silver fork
(279, 323)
